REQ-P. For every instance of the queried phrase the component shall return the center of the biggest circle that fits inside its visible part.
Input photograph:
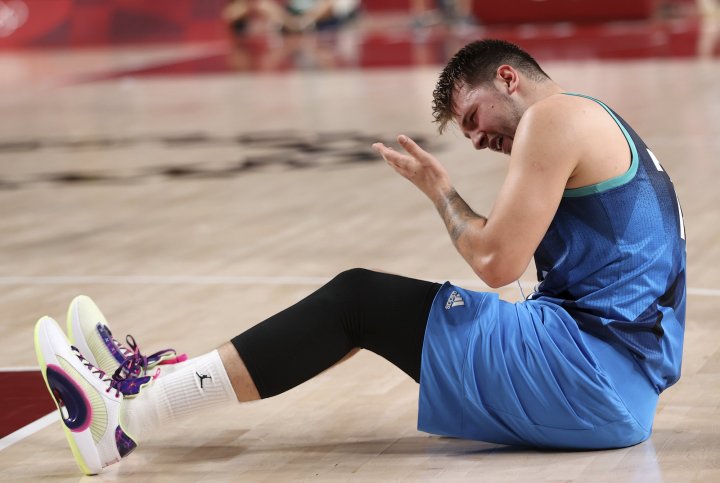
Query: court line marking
(29, 430)
(231, 280)
(19, 369)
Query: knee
(352, 276)
(350, 286)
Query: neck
(540, 90)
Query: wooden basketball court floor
(191, 207)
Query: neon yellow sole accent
(70, 334)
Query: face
(487, 116)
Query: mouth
(502, 144)
(497, 144)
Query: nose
(479, 140)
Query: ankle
(200, 383)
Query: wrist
(441, 194)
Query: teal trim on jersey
(612, 182)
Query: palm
(418, 166)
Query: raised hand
(418, 166)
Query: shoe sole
(62, 387)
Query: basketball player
(292, 15)
(578, 365)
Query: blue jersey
(614, 259)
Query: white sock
(201, 382)
(166, 369)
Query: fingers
(380, 147)
(411, 146)
(393, 158)
(382, 150)
(408, 144)
(388, 153)
(408, 163)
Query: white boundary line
(161, 280)
(29, 430)
(704, 292)
(20, 369)
(229, 280)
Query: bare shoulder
(552, 126)
(561, 110)
(572, 112)
(580, 131)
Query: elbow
(496, 280)
(495, 272)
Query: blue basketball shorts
(525, 374)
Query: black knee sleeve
(384, 313)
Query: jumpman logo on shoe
(202, 378)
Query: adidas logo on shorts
(454, 300)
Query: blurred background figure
(709, 35)
(455, 13)
(291, 16)
(709, 8)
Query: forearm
(495, 251)
(466, 228)
(487, 255)
(461, 221)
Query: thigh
(519, 374)
(386, 314)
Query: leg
(358, 309)
(240, 378)
(383, 313)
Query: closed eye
(468, 121)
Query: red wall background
(513, 11)
(46, 23)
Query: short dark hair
(474, 65)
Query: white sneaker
(88, 399)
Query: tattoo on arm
(456, 214)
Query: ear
(508, 77)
